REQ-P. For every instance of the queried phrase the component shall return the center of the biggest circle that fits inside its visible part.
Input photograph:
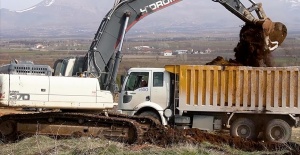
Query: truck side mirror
(122, 80)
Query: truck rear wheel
(278, 130)
(150, 114)
(243, 127)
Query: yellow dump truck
(249, 101)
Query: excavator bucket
(278, 32)
(274, 32)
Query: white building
(168, 53)
(39, 46)
(181, 51)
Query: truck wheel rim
(244, 131)
(277, 133)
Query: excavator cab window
(137, 80)
(79, 63)
(60, 67)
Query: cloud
(294, 3)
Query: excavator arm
(238, 9)
(102, 59)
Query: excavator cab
(274, 32)
(72, 66)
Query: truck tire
(243, 127)
(278, 130)
(150, 114)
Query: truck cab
(145, 90)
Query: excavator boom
(101, 55)
(102, 60)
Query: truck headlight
(168, 113)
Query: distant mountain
(77, 18)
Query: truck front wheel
(150, 114)
(243, 127)
(278, 130)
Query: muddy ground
(5, 111)
(168, 136)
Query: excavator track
(118, 127)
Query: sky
(18, 4)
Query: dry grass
(42, 145)
(296, 135)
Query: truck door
(159, 89)
(136, 91)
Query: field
(136, 56)
(21, 50)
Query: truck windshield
(137, 80)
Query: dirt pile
(252, 49)
(169, 136)
(220, 61)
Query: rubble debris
(220, 61)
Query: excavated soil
(251, 49)
(168, 136)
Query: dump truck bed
(238, 89)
